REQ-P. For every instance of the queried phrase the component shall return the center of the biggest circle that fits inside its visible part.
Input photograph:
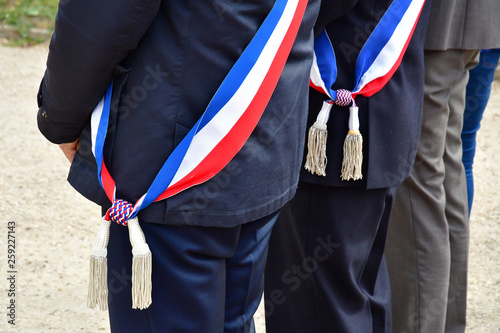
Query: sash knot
(120, 211)
(344, 97)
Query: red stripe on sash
(107, 182)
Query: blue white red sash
(215, 139)
(228, 120)
(376, 63)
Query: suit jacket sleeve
(91, 37)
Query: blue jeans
(477, 95)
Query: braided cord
(120, 211)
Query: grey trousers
(427, 243)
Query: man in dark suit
(166, 60)
(428, 239)
(326, 270)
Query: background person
(326, 270)
(428, 239)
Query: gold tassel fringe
(97, 296)
(316, 149)
(141, 281)
(353, 156)
(141, 266)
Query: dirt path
(55, 226)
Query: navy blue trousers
(326, 270)
(204, 279)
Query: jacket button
(44, 114)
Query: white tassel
(141, 266)
(353, 149)
(316, 145)
(97, 296)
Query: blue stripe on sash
(102, 130)
(325, 57)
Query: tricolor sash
(376, 63)
(215, 139)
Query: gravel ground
(55, 226)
